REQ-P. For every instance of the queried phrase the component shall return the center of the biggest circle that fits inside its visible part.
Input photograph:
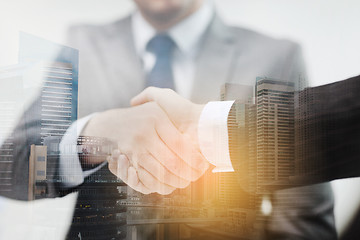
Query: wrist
(93, 151)
(89, 128)
(94, 144)
(96, 125)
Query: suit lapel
(214, 63)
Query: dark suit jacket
(332, 112)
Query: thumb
(148, 95)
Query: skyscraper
(57, 104)
(57, 99)
(11, 103)
(17, 88)
(275, 131)
(42, 103)
(262, 142)
(37, 172)
(97, 212)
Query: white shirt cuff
(213, 135)
(70, 171)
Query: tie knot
(161, 45)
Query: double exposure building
(275, 158)
(52, 111)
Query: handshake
(158, 148)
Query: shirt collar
(186, 34)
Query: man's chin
(168, 14)
(164, 17)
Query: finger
(119, 167)
(171, 161)
(143, 180)
(165, 97)
(182, 146)
(192, 155)
(155, 168)
(135, 183)
(145, 96)
(152, 183)
(115, 153)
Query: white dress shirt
(213, 135)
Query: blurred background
(327, 30)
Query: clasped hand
(157, 141)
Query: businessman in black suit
(328, 115)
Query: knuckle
(160, 191)
(148, 90)
(151, 88)
(170, 190)
(169, 92)
(112, 169)
(165, 190)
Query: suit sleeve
(298, 212)
(328, 136)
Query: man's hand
(182, 112)
(153, 156)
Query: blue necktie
(161, 75)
